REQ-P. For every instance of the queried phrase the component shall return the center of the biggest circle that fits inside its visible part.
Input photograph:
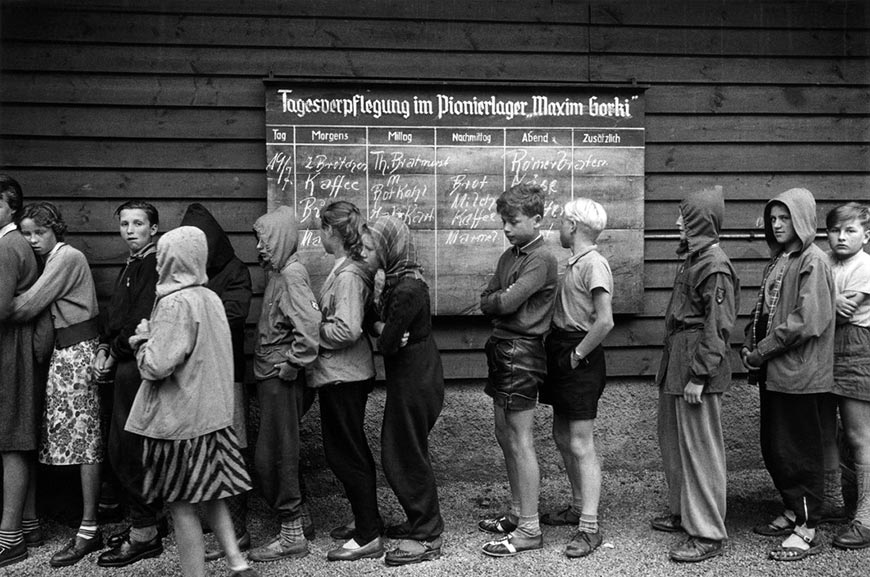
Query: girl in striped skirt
(184, 408)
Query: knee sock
(528, 526)
(11, 538)
(87, 530)
(862, 510)
(291, 531)
(588, 523)
(833, 490)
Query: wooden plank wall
(103, 100)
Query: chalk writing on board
(438, 159)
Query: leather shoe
(75, 550)
(582, 544)
(214, 554)
(418, 552)
(371, 550)
(34, 538)
(343, 532)
(855, 536)
(129, 552)
(277, 549)
(116, 539)
(667, 523)
(696, 549)
(566, 516)
(13, 554)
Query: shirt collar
(143, 252)
(575, 257)
(7, 229)
(529, 246)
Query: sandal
(783, 553)
(500, 525)
(513, 545)
(779, 527)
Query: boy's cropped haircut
(10, 190)
(147, 207)
(48, 215)
(524, 198)
(847, 212)
(587, 213)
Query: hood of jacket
(181, 257)
(278, 231)
(702, 213)
(220, 249)
(802, 206)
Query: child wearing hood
(789, 351)
(695, 371)
(184, 408)
(287, 343)
(229, 278)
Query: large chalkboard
(438, 156)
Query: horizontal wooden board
(162, 90)
(644, 69)
(287, 32)
(262, 62)
(219, 123)
(728, 13)
(728, 41)
(531, 11)
(739, 214)
(828, 186)
(250, 154)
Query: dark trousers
(276, 458)
(410, 412)
(792, 445)
(342, 419)
(126, 449)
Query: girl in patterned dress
(71, 423)
(184, 408)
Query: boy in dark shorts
(694, 373)
(519, 302)
(576, 370)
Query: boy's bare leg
(574, 439)
(514, 431)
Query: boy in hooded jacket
(789, 351)
(288, 337)
(695, 370)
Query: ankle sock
(291, 531)
(30, 525)
(11, 538)
(528, 526)
(143, 534)
(87, 530)
(833, 490)
(588, 523)
(577, 507)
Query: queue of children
(175, 432)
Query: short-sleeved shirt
(853, 275)
(586, 271)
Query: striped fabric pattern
(194, 470)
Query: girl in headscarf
(415, 392)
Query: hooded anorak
(185, 356)
(703, 306)
(288, 329)
(798, 346)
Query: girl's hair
(847, 212)
(147, 207)
(45, 214)
(10, 191)
(587, 213)
(345, 219)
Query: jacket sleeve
(720, 313)
(62, 273)
(298, 304)
(236, 295)
(171, 340)
(402, 310)
(8, 281)
(812, 313)
(533, 276)
(343, 326)
(142, 294)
